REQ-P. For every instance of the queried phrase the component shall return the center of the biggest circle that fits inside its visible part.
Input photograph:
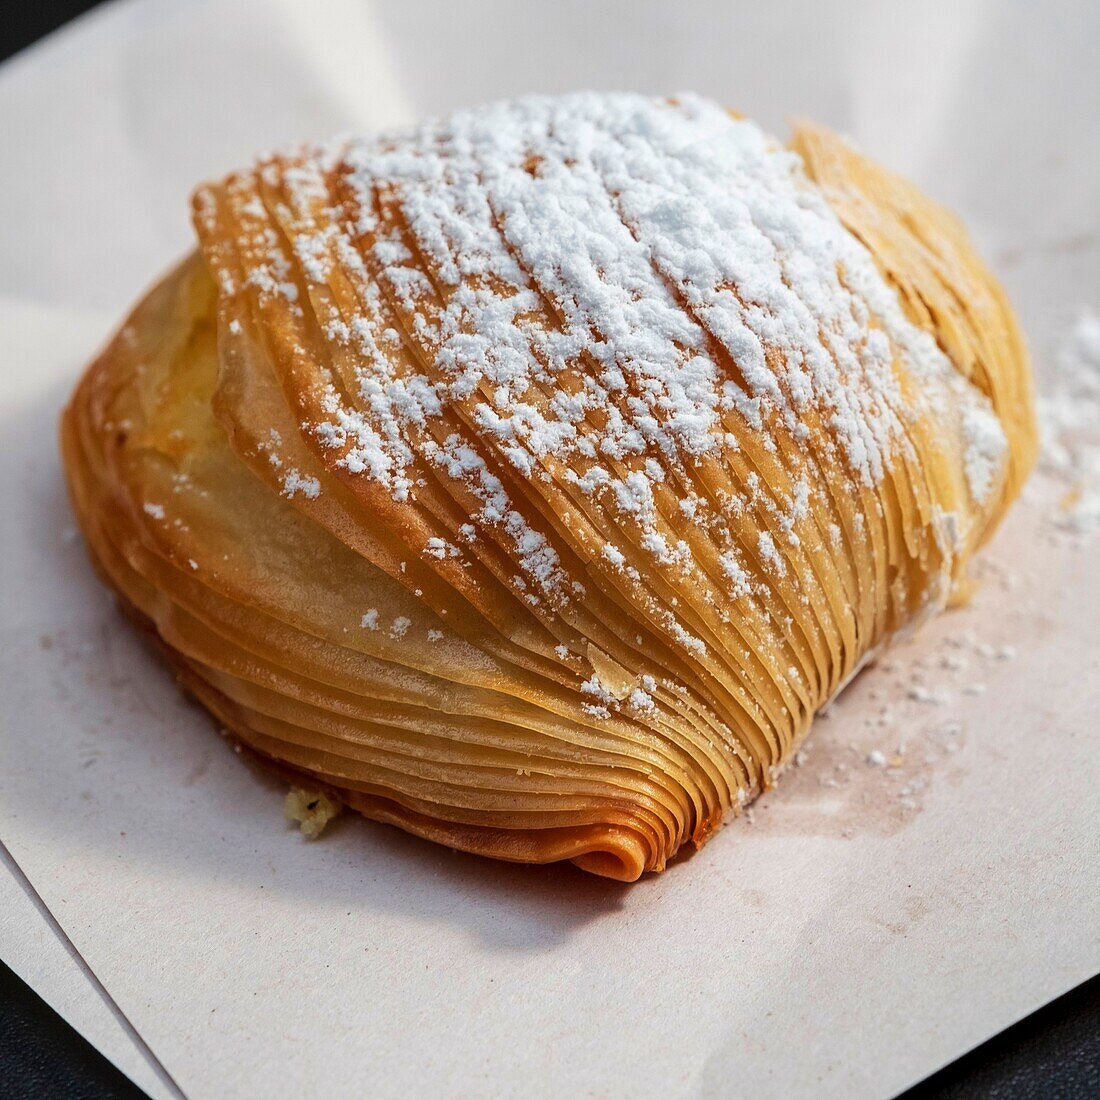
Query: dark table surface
(1054, 1054)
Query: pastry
(529, 479)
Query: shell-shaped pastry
(530, 479)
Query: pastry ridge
(529, 479)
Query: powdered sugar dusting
(293, 482)
(610, 296)
(1069, 417)
(986, 447)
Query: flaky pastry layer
(530, 480)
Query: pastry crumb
(311, 811)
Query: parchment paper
(926, 876)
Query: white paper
(32, 945)
(852, 937)
(31, 942)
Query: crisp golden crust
(571, 585)
(944, 287)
